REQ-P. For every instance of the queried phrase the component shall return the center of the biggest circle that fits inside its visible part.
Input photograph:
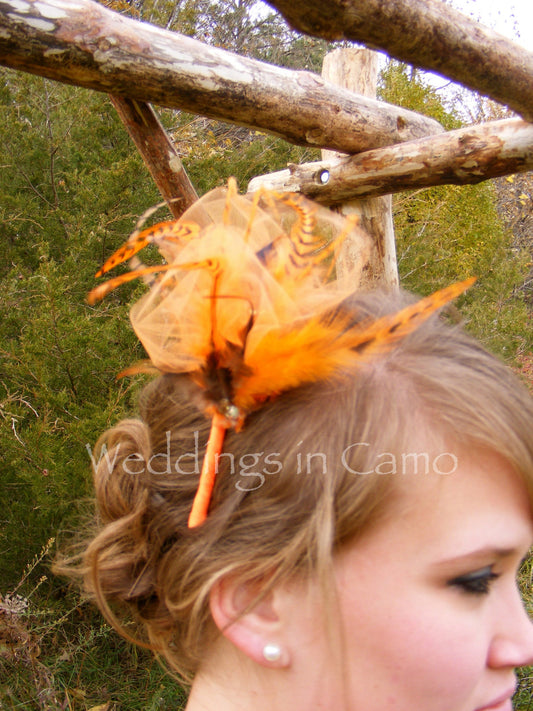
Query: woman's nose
(512, 643)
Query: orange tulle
(245, 305)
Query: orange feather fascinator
(245, 305)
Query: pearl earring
(272, 652)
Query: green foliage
(448, 233)
(68, 179)
(56, 653)
(214, 151)
(404, 86)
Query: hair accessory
(244, 305)
(272, 652)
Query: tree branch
(468, 155)
(158, 152)
(426, 33)
(86, 44)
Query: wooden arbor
(389, 149)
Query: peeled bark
(466, 156)
(86, 44)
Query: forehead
(481, 503)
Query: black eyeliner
(477, 582)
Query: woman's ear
(257, 629)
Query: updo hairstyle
(297, 483)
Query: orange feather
(244, 305)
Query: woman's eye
(476, 583)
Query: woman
(361, 545)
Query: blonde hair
(294, 485)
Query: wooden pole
(463, 157)
(158, 152)
(357, 70)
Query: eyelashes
(479, 582)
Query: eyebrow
(485, 552)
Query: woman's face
(429, 605)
